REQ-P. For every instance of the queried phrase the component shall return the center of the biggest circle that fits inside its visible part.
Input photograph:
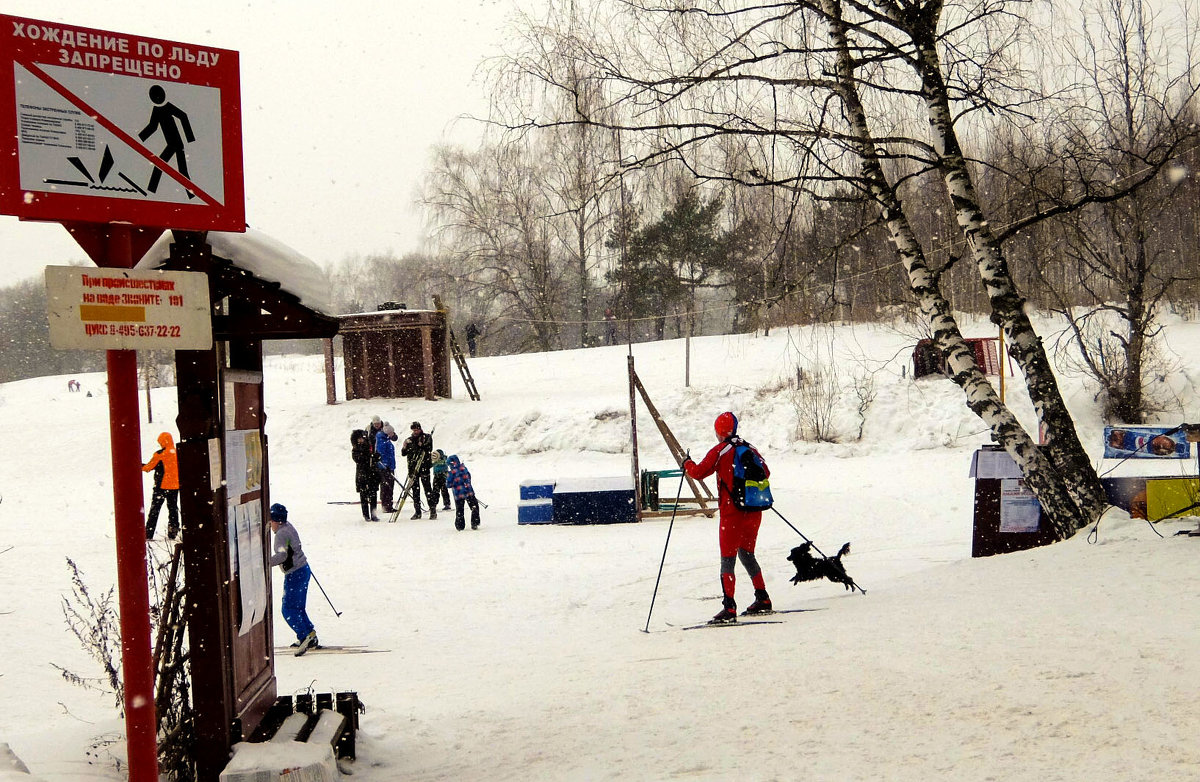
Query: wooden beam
(637, 477)
(665, 514)
(427, 362)
(672, 444)
(330, 372)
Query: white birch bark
(1063, 447)
(981, 396)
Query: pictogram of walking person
(167, 118)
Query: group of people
(373, 451)
(437, 474)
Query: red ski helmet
(725, 425)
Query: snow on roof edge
(263, 256)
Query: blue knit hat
(278, 512)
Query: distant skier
(738, 528)
(163, 118)
(473, 333)
(165, 466)
(289, 556)
(459, 481)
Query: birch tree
(805, 81)
(492, 214)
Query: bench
(306, 734)
(652, 501)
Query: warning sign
(108, 127)
(126, 309)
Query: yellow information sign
(127, 309)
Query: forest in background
(1084, 160)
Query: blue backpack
(751, 490)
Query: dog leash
(798, 532)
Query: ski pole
(327, 600)
(674, 508)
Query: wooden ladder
(461, 360)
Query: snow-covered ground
(518, 652)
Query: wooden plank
(329, 728)
(637, 484)
(291, 728)
(672, 443)
(666, 514)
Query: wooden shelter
(396, 352)
(225, 485)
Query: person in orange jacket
(165, 466)
(738, 528)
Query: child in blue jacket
(459, 480)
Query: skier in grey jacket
(289, 556)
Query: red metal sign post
(110, 133)
(134, 592)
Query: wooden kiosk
(396, 352)
(225, 492)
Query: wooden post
(687, 361)
(149, 408)
(392, 389)
(637, 483)
(205, 545)
(427, 362)
(1000, 360)
(330, 372)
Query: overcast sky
(341, 104)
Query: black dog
(809, 568)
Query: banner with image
(1146, 442)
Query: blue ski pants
(295, 597)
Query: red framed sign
(107, 127)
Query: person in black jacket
(366, 473)
(473, 333)
(418, 450)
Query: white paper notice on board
(1020, 510)
(127, 309)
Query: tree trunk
(982, 399)
(1008, 307)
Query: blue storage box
(537, 489)
(594, 501)
(539, 511)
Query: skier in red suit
(738, 528)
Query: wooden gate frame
(700, 492)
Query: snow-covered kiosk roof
(292, 289)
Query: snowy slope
(517, 652)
